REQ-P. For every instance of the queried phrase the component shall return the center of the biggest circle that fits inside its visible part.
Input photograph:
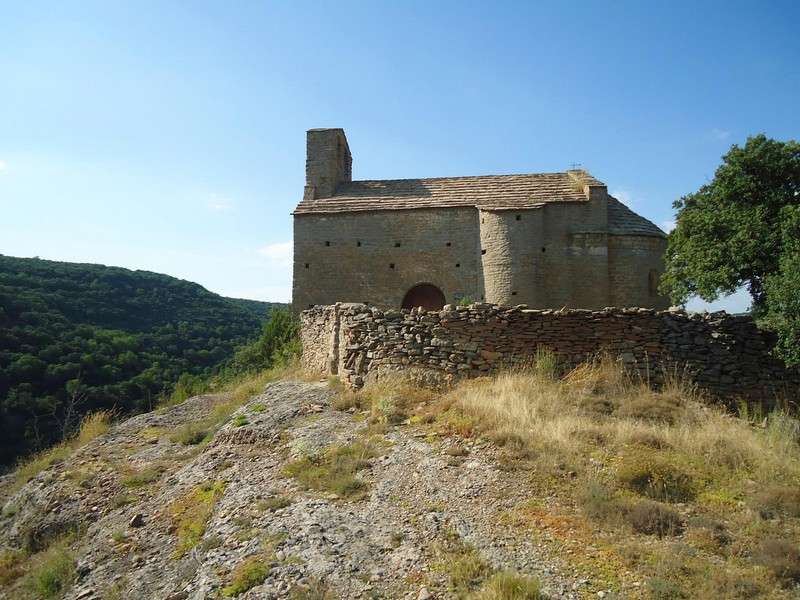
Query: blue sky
(170, 136)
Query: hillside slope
(424, 506)
(76, 338)
(589, 486)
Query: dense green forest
(75, 338)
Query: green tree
(783, 290)
(278, 344)
(742, 229)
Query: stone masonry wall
(724, 355)
(375, 257)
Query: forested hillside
(77, 337)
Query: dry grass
(715, 496)
(93, 425)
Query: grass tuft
(191, 514)
(335, 471)
(248, 574)
(510, 585)
(51, 573)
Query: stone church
(548, 240)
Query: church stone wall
(548, 257)
(635, 264)
(375, 257)
(725, 356)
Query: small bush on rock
(654, 518)
(649, 474)
(510, 585)
(248, 574)
(782, 558)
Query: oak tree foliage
(743, 229)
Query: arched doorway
(425, 295)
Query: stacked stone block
(726, 356)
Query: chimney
(328, 162)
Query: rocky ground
(428, 496)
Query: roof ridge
(563, 174)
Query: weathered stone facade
(725, 355)
(548, 240)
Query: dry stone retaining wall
(725, 355)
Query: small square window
(391, 265)
(448, 244)
(358, 244)
(397, 244)
(458, 265)
(513, 293)
(306, 265)
(519, 217)
(327, 243)
(542, 248)
(483, 252)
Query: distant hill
(80, 337)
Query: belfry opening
(425, 295)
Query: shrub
(774, 500)
(649, 474)
(598, 502)
(654, 518)
(11, 567)
(782, 558)
(274, 503)
(706, 535)
(247, 575)
(190, 434)
(336, 470)
(510, 585)
(52, 573)
(191, 514)
(664, 589)
(467, 572)
(142, 477)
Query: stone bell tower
(328, 162)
